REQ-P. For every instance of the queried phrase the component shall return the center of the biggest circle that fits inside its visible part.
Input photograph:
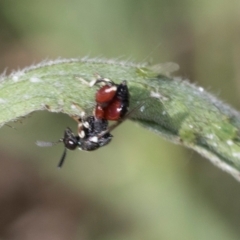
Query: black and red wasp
(112, 102)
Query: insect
(112, 100)
(93, 134)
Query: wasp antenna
(47, 144)
(62, 158)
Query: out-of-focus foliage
(174, 194)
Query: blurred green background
(157, 189)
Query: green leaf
(171, 107)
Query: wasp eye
(71, 143)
